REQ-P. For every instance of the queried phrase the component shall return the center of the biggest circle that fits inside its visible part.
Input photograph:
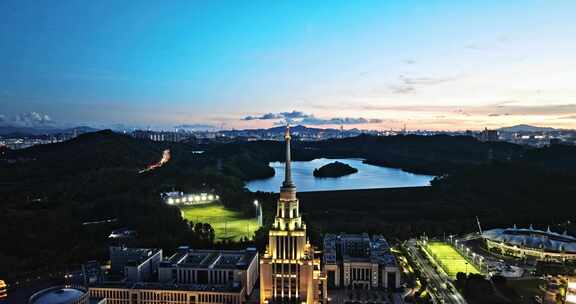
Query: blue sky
(372, 64)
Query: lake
(367, 177)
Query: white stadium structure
(532, 243)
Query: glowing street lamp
(258, 212)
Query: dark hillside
(434, 155)
(559, 157)
(103, 149)
(47, 193)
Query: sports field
(227, 224)
(451, 260)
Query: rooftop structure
(63, 295)
(135, 263)
(530, 242)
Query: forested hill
(103, 149)
(47, 192)
(434, 155)
(421, 154)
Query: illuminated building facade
(3, 293)
(532, 243)
(289, 270)
(189, 276)
(359, 262)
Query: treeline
(499, 194)
(48, 194)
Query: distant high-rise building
(289, 271)
(489, 135)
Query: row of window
(186, 276)
(149, 297)
(286, 247)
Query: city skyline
(444, 65)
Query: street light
(258, 212)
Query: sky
(443, 65)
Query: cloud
(266, 116)
(492, 44)
(339, 121)
(30, 120)
(425, 80)
(299, 117)
(507, 108)
(197, 126)
(571, 117)
(411, 84)
(402, 89)
(282, 115)
(461, 112)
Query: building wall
(211, 276)
(384, 274)
(158, 296)
(119, 257)
(333, 275)
(251, 275)
(143, 271)
(523, 252)
(357, 274)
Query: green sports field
(451, 260)
(227, 224)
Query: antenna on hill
(479, 226)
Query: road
(165, 158)
(436, 281)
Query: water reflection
(368, 177)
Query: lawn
(227, 224)
(451, 260)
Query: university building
(357, 261)
(187, 277)
(289, 270)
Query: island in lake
(335, 169)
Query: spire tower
(288, 169)
(289, 270)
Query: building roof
(218, 259)
(359, 248)
(231, 287)
(134, 256)
(57, 295)
(533, 238)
